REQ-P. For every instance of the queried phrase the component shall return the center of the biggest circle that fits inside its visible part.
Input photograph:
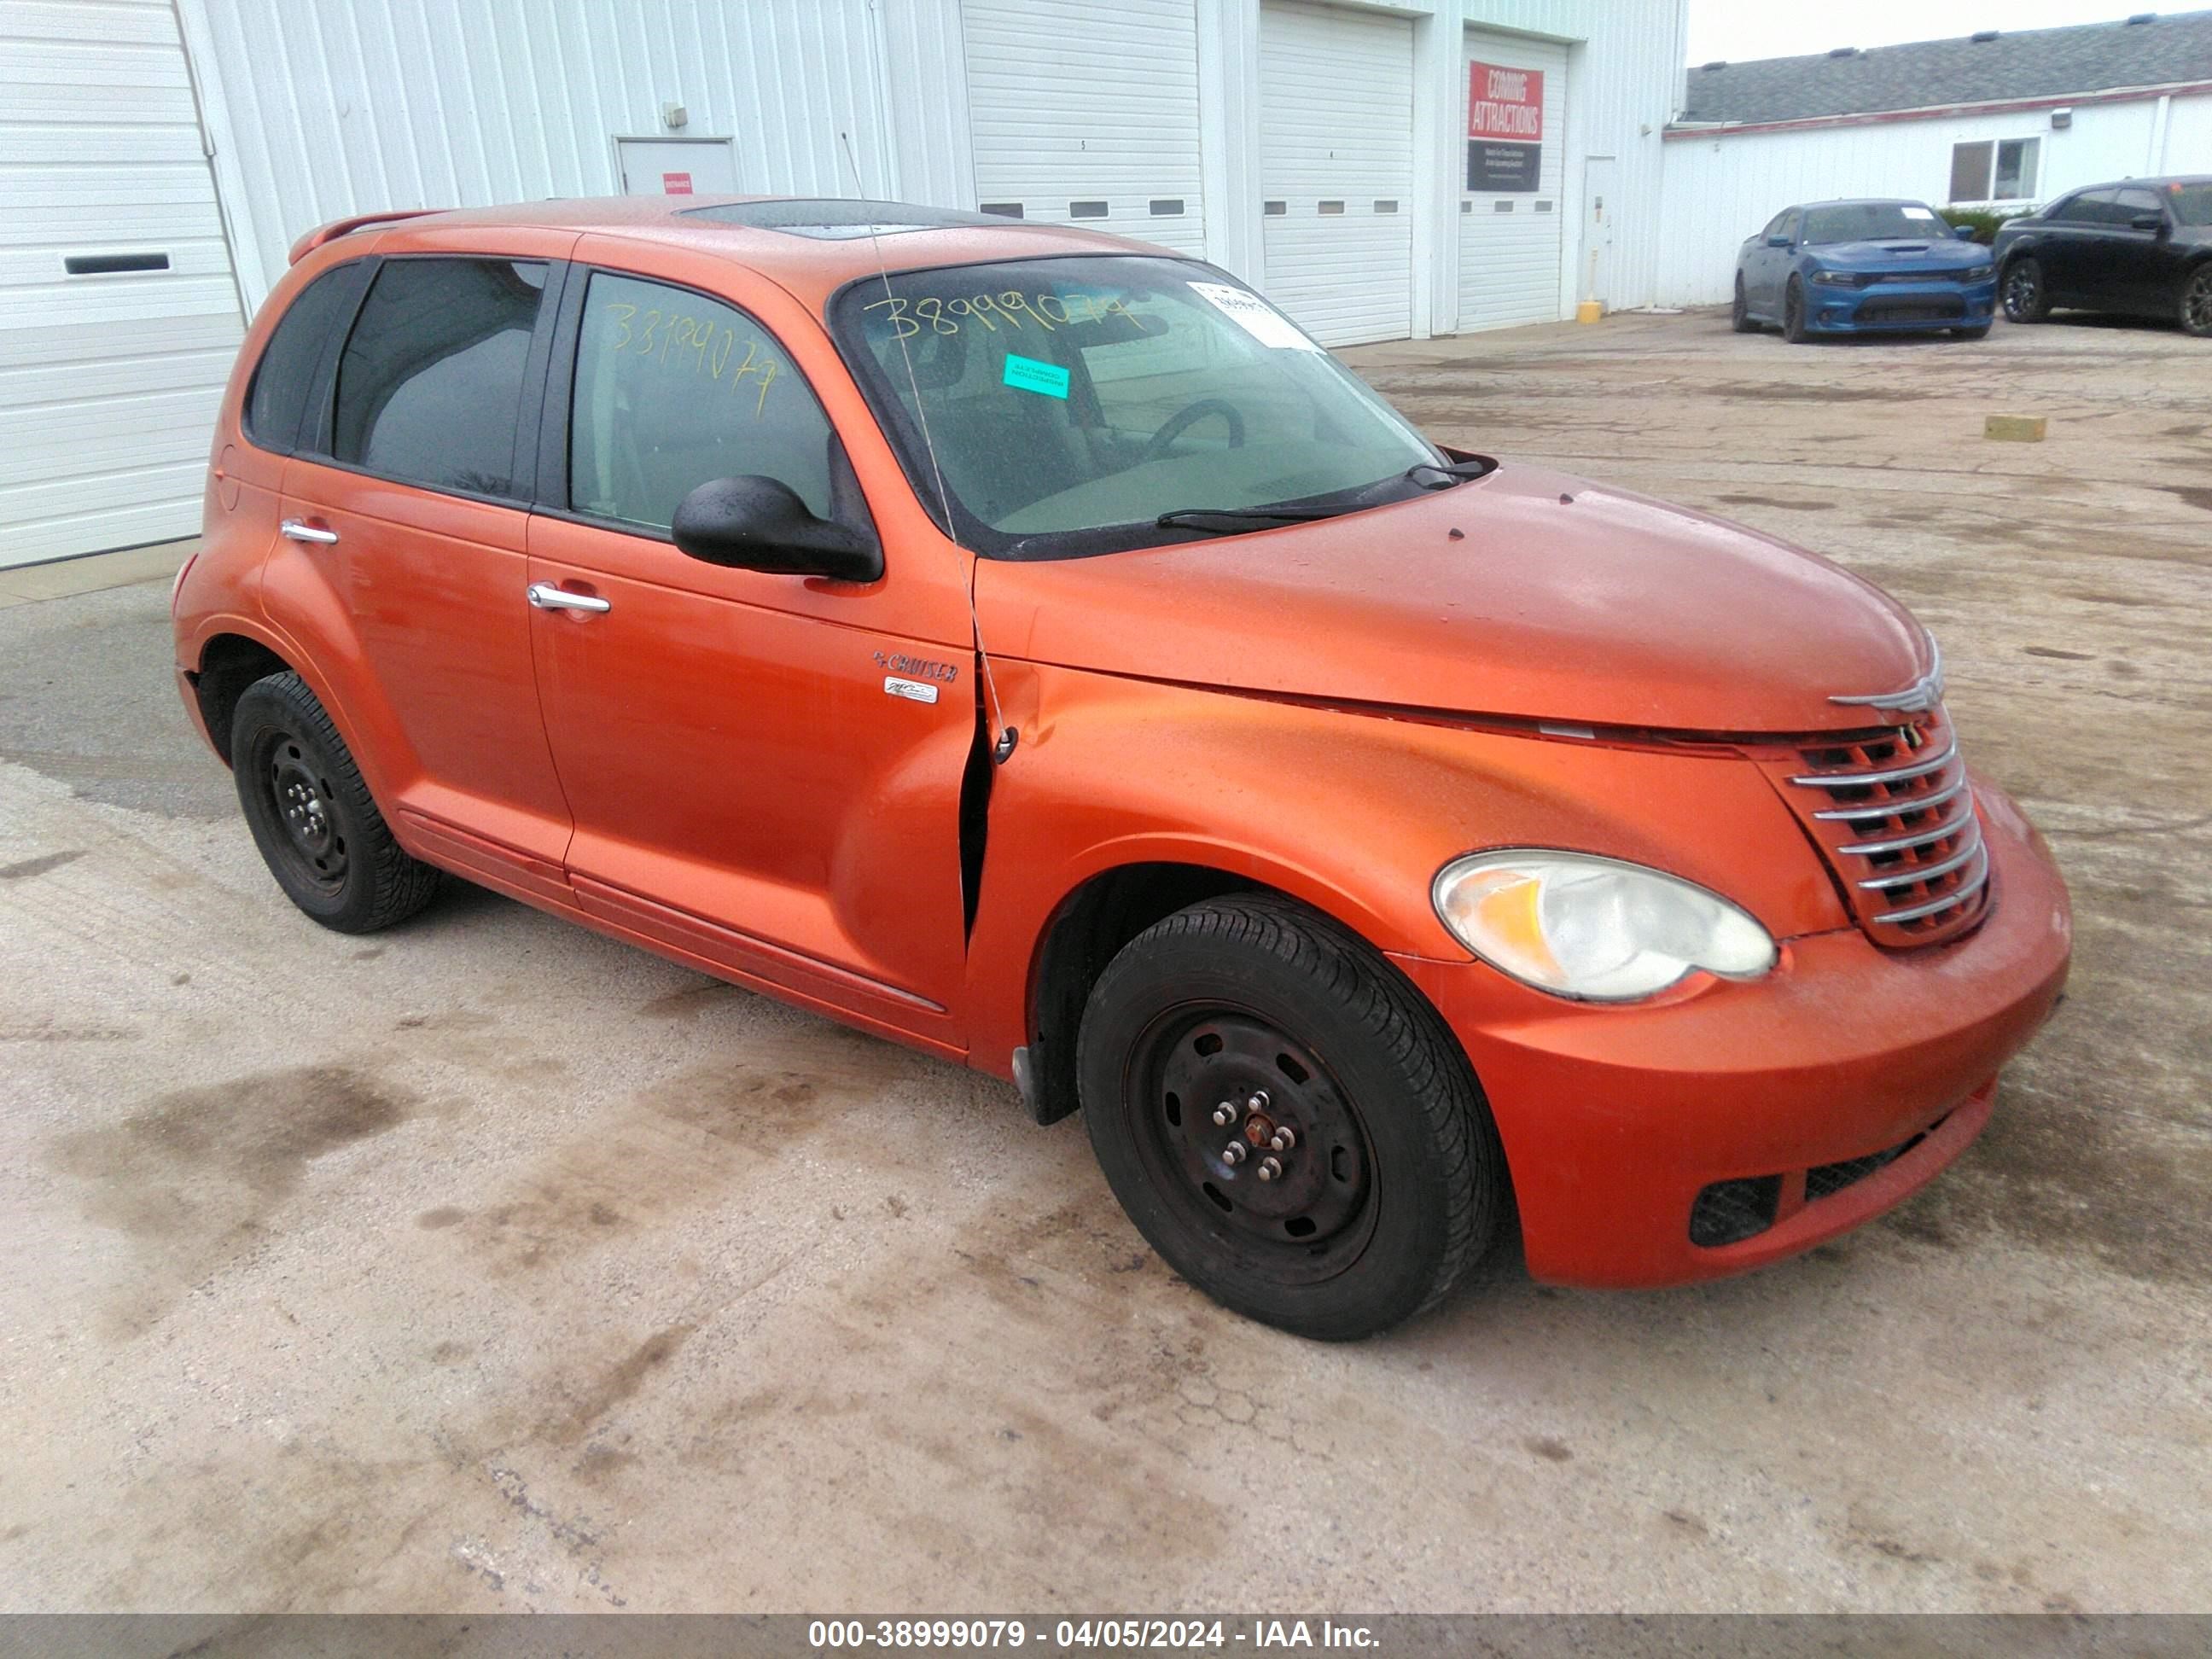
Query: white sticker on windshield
(1254, 316)
(1918, 213)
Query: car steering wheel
(1183, 419)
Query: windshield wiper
(1229, 517)
(1435, 475)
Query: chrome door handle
(299, 530)
(546, 596)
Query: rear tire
(1392, 1182)
(1793, 312)
(2196, 301)
(2026, 300)
(1739, 312)
(312, 816)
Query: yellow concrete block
(1589, 312)
(2015, 428)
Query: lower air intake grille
(1729, 1212)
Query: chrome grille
(1892, 811)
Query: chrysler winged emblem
(1922, 694)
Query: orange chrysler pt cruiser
(1029, 646)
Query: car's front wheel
(1739, 312)
(1793, 312)
(2026, 300)
(1285, 1119)
(2196, 301)
(319, 830)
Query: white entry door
(1336, 169)
(1601, 205)
(677, 166)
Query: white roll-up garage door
(118, 318)
(1086, 111)
(1336, 169)
(1510, 245)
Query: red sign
(1504, 105)
(675, 184)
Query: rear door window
(430, 388)
(276, 401)
(675, 390)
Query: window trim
(551, 496)
(527, 415)
(314, 406)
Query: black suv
(2141, 247)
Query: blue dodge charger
(1863, 268)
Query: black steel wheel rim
(2196, 304)
(1296, 1202)
(311, 836)
(2021, 285)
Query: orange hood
(1557, 600)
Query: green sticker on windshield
(1027, 374)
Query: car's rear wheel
(1793, 312)
(2196, 301)
(1285, 1121)
(319, 830)
(2025, 299)
(1739, 312)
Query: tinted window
(430, 387)
(2134, 203)
(278, 397)
(674, 390)
(1774, 225)
(2098, 207)
(2191, 203)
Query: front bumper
(1894, 308)
(1614, 1118)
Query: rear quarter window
(430, 388)
(284, 379)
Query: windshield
(1071, 403)
(1873, 222)
(2191, 203)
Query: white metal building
(2006, 121)
(158, 157)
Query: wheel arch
(230, 662)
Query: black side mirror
(1777, 240)
(1963, 233)
(2148, 221)
(754, 523)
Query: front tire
(1237, 1020)
(2197, 302)
(318, 828)
(1739, 312)
(2025, 299)
(1793, 312)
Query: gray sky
(1740, 29)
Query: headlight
(1580, 926)
(1836, 278)
(1977, 273)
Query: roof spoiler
(337, 228)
